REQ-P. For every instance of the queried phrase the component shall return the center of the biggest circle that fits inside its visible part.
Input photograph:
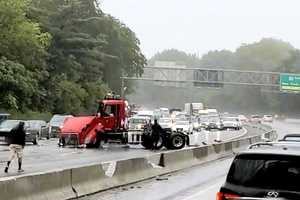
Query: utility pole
(122, 88)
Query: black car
(265, 171)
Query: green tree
(17, 85)
(89, 48)
(22, 46)
(179, 57)
(265, 55)
(71, 98)
(219, 59)
(292, 63)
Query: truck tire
(147, 144)
(96, 143)
(61, 142)
(177, 141)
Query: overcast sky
(197, 26)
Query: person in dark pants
(156, 130)
(17, 144)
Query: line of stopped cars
(35, 129)
(177, 126)
(180, 123)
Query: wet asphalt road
(197, 183)
(47, 156)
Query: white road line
(201, 192)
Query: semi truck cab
(107, 124)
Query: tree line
(60, 56)
(268, 54)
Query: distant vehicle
(165, 123)
(136, 126)
(231, 123)
(196, 124)
(37, 126)
(268, 118)
(203, 112)
(214, 123)
(193, 108)
(56, 124)
(212, 111)
(265, 171)
(172, 110)
(204, 121)
(255, 119)
(181, 116)
(138, 122)
(164, 112)
(183, 126)
(146, 113)
(7, 125)
(243, 118)
(4, 116)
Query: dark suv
(264, 171)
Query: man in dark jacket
(17, 144)
(156, 130)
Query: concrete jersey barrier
(80, 181)
(48, 186)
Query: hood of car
(5, 129)
(184, 127)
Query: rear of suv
(270, 171)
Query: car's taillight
(226, 196)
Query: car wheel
(34, 142)
(96, 143)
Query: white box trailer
(193, 108)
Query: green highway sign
(290, 82)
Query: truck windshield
(266, 171)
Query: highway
(47, 156)
(197, 183)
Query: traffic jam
(118, 122)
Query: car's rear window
(277, 172)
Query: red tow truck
(109, 124)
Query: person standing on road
(156, 130)
(17, 144)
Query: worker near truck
(156, 130)
(17, 144)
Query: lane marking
(195, 195)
